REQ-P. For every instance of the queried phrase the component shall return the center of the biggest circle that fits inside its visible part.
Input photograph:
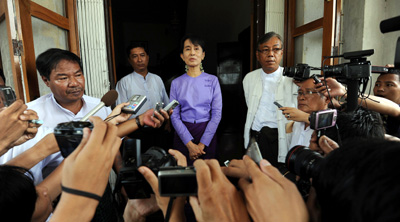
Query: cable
(111, 117)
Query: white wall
(361, 29)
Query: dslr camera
(303, 162)
(69, 135)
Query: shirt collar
(275, 74)
(53, 99)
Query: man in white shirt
(262, 87)
(61, 70)
(143, 82)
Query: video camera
(300, 72)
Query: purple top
(200, 100)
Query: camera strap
(168, 214)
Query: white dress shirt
(299, 135)
(51, 113)
(266, 113)
(134, 84)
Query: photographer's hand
(87, 169)
(218, 200)
(177, 213)
(270, 196)
(236, 168)
(327, 144)
(335, 88)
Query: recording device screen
(323, 119)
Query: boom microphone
(390, 25)
(107, 100)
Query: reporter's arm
(52, 185)
(42, 149)
(144, 119)
(375, 103)
(295, 114)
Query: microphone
(107, 100)
(390, 25)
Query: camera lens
(303, 162)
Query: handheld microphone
(107, 100)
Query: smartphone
(135, 103)
(158, 107)
(323, 119)
(253, 151)
(278, 105)
(171, 105)
(7, 96)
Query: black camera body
(177, 181)
(69, 135)
(131, 179)
(358, 67)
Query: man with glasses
(308, 100)
(262, 87)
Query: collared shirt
(299, 135)
(266, 113)
(200, 100)
(134, 84)
(51, 113)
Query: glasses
(306, 93)
(267, 51)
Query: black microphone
(107, 100)
(390, 25)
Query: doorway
(224, 26)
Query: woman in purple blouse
(197, 117)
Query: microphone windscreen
(110, 97)
(390, 25)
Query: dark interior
(225, 27)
